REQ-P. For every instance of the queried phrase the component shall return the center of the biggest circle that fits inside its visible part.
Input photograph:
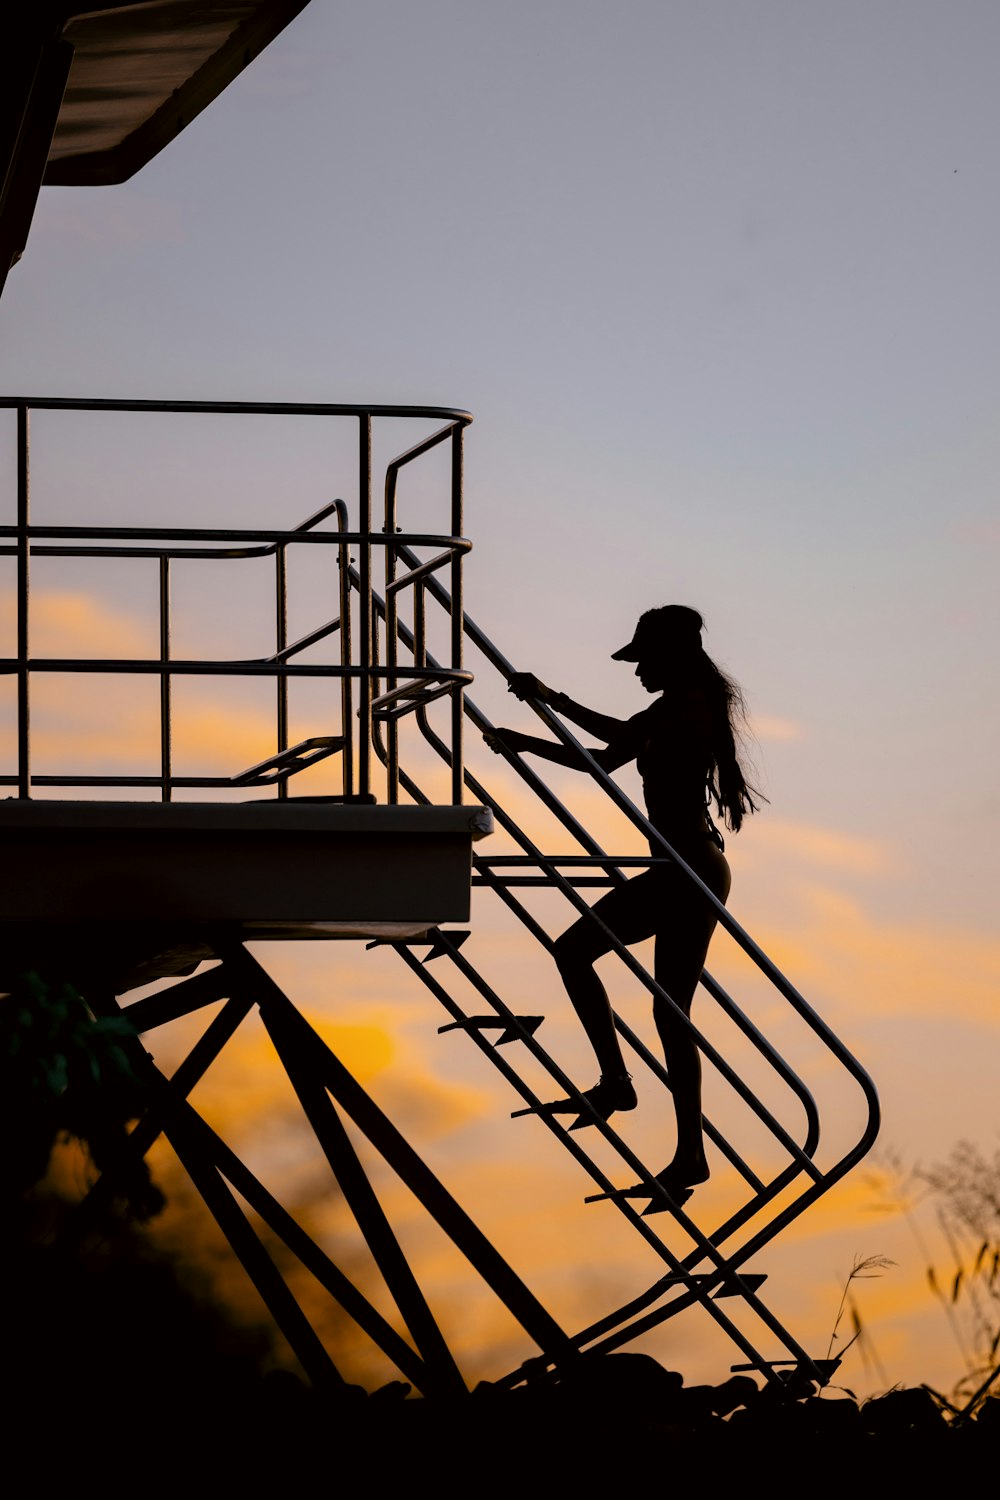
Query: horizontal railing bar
(235, 534)
(238, 408)
(188, 552)
(136, 781)
(114, 666)
(335, 506)
(221, 553)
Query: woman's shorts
(660, 902)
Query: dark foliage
(619, 1419)
(65, 1071)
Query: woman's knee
(571, 950)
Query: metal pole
(166, 790)
(391, 641)
(365, 694)
(457, 617)
(281, 633)
(346, 647)
(23, 571)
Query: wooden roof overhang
(89, 94)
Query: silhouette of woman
(684, 746)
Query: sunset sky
(717, 282)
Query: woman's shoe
(611, 1093)
(670, 1179)
(679, 1191)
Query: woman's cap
(661, 630)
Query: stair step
(529, 1024)
(437, 945)
(446, 942)
(285, 763)
(554, 1107)
(640, 1190)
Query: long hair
(674, 631)
(728, 786)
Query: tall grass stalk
(865, 1268)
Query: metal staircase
(716, 1268)
(404, 709)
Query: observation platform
(116, 887)
(159, 875)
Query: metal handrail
(417, 576)
(486, 868)
(237, 408)
(707, 1245)
(723, 915)
(168, 544)
(802, 1155)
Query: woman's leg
(575, 957)
(627, 912)
(681, 948)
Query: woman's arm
(513, 739)
(603, 725)
(527, 685)
(608, 757)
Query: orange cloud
(887, 968)
(109, 724)
(67, 623)
(222, 741)
(800, 844)
(247, 1084)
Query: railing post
(346, 648)
(166, 790)
(457, 616)
(23, 577)
(367, 623)
(281, 635)
(391, 633)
